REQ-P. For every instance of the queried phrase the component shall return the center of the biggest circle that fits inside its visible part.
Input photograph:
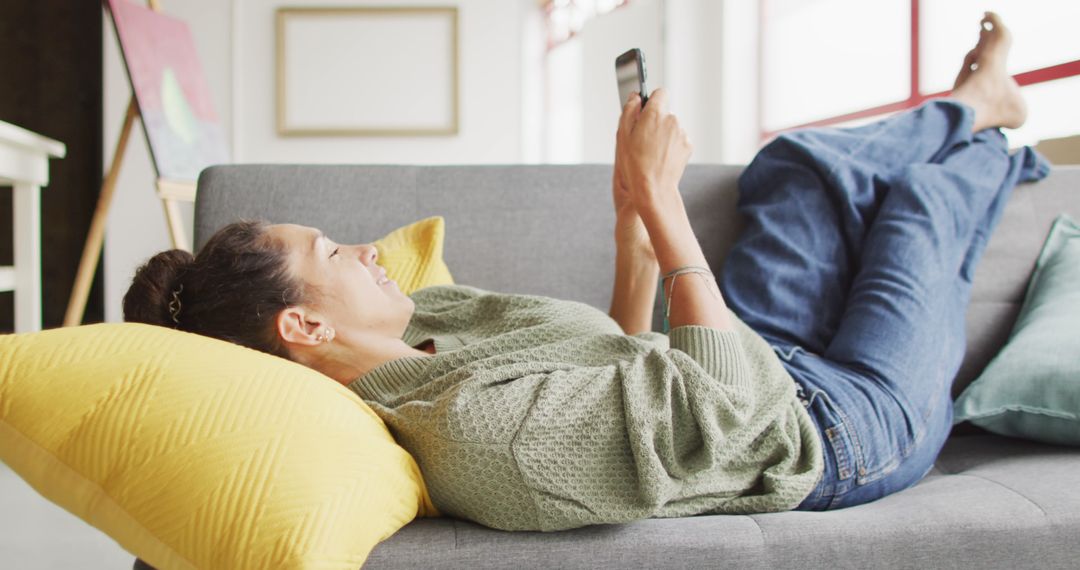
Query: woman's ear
(297, 326)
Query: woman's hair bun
(151, 291)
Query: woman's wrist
(635, 261)
(673, 239)
(637, 250)
(631, 237)
(661, 206)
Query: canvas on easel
(174, 100)
(171, 96)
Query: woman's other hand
(652, 151)
(630, 233)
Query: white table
(24, 165)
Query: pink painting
(174, 100)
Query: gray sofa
(991, 502)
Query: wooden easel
(169, 191)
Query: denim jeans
(856, 265)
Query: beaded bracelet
(673, 274)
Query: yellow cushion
(412, 255)
(196, 453)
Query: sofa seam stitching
(1007, 488)
(761, 531)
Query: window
(837, 62)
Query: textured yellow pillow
(412, 255)
(196, 453)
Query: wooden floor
(35, 534)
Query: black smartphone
(630, 74)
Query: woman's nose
(368, 254)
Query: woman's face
(349, 289)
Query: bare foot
(984, 85)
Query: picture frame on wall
(367, 71)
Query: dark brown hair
(232, 290)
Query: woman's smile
(382, 279)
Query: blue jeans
(856, 265)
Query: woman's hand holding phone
(652, 151)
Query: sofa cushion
(1032, 387)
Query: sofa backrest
(547, 229)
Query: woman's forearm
(695, 299)
(634, 292)
(652, 152)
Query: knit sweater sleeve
(719, 353)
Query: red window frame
(915, 95)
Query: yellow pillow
(192, 452)
(412, 255)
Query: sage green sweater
(540, 414)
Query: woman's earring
(328, 336)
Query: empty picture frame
(367, 71)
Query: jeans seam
(856, 444)
(843, 462)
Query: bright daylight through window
(848, 61)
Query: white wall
(700, 51)
(533, 57)
(694, 35)
(235, 41)
(639, 24)
(581, 107)
(490, 92)
(738, 97)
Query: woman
(826, 386)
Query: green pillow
(1031, 389)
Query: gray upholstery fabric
(991, 502)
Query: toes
(994, 42)
(993, 27)
(971, 60)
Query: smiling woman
(354, 316)
(276, 289)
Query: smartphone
(630, 74)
